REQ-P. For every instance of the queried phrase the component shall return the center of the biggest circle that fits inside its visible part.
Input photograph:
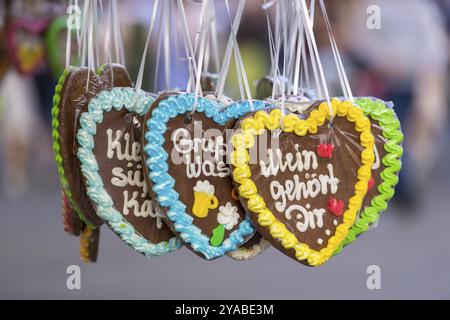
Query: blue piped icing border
(163, 184)
(139, 103)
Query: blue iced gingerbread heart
(110, 155)
(196, 195)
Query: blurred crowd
(405, 60)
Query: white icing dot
(308, 206)
(139, 166)
(319, 241)
(129, 164)
(327, 232)
(307, 176)
(335, 222)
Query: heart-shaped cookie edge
(56, 146)
(163, 184)
(291, 123)
(378, 110)
(139, 103)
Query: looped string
(82, 47)
(205, 20)
(140, 76)
(214, 41)
(166, 39)
(346, 89)
(315, 53)
(118, 39)
(233, 47)
(190, 54)
(87, 34)
(72, 3)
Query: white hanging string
(277, 41)
(166, 41)
(78, 31)
(301, 64)
(284, 32)
(346, 89)
(118, 39)
(68, 40)
(214, 40)
(305, 68)
(108, 41)
(96, 43)
(207, 55)
(192, 64)
(315, 52)
(272, 47)
(162, 17)
(229, 49)
(204, 21)
(147, 41)
(83, 38)
(265, 7)
(298, 55)
(91, 63)
(292, 35)
(235, 44)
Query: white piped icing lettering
(304, 184)
(201, 156)
(136, 202)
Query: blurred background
(405, 61)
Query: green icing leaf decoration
(217, 235)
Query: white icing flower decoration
(228, 216)
(204, 186)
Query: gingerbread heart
(109, 150)
(388, 136)
(185, 155)
(75, 88)
(286, 187)
(25, 44)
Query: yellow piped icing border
(244, 139)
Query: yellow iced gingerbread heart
(304, 194)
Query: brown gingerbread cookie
(75, 89)
(185, 156)
(304, 178)
(110, 155)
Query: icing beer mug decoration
(204, 199)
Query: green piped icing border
(57, 148)
(377, 110)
